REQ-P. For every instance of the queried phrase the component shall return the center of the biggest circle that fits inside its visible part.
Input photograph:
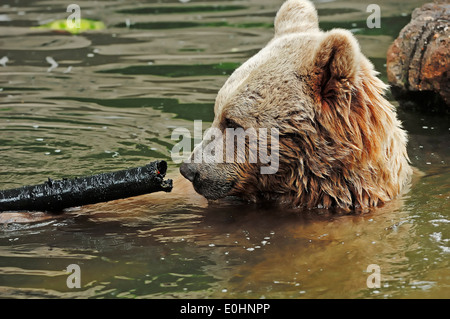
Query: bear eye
(229, 123)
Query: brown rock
(418, 60)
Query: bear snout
(188, 171)
(213, 181)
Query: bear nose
(188, 171)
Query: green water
(113, 101)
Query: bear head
(338, 141)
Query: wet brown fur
(341, 144)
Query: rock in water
(418, 60)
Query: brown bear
(340, 143)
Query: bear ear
(337, 59)
(296, 16)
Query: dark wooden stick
(54, 196)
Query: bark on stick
(56, 195)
